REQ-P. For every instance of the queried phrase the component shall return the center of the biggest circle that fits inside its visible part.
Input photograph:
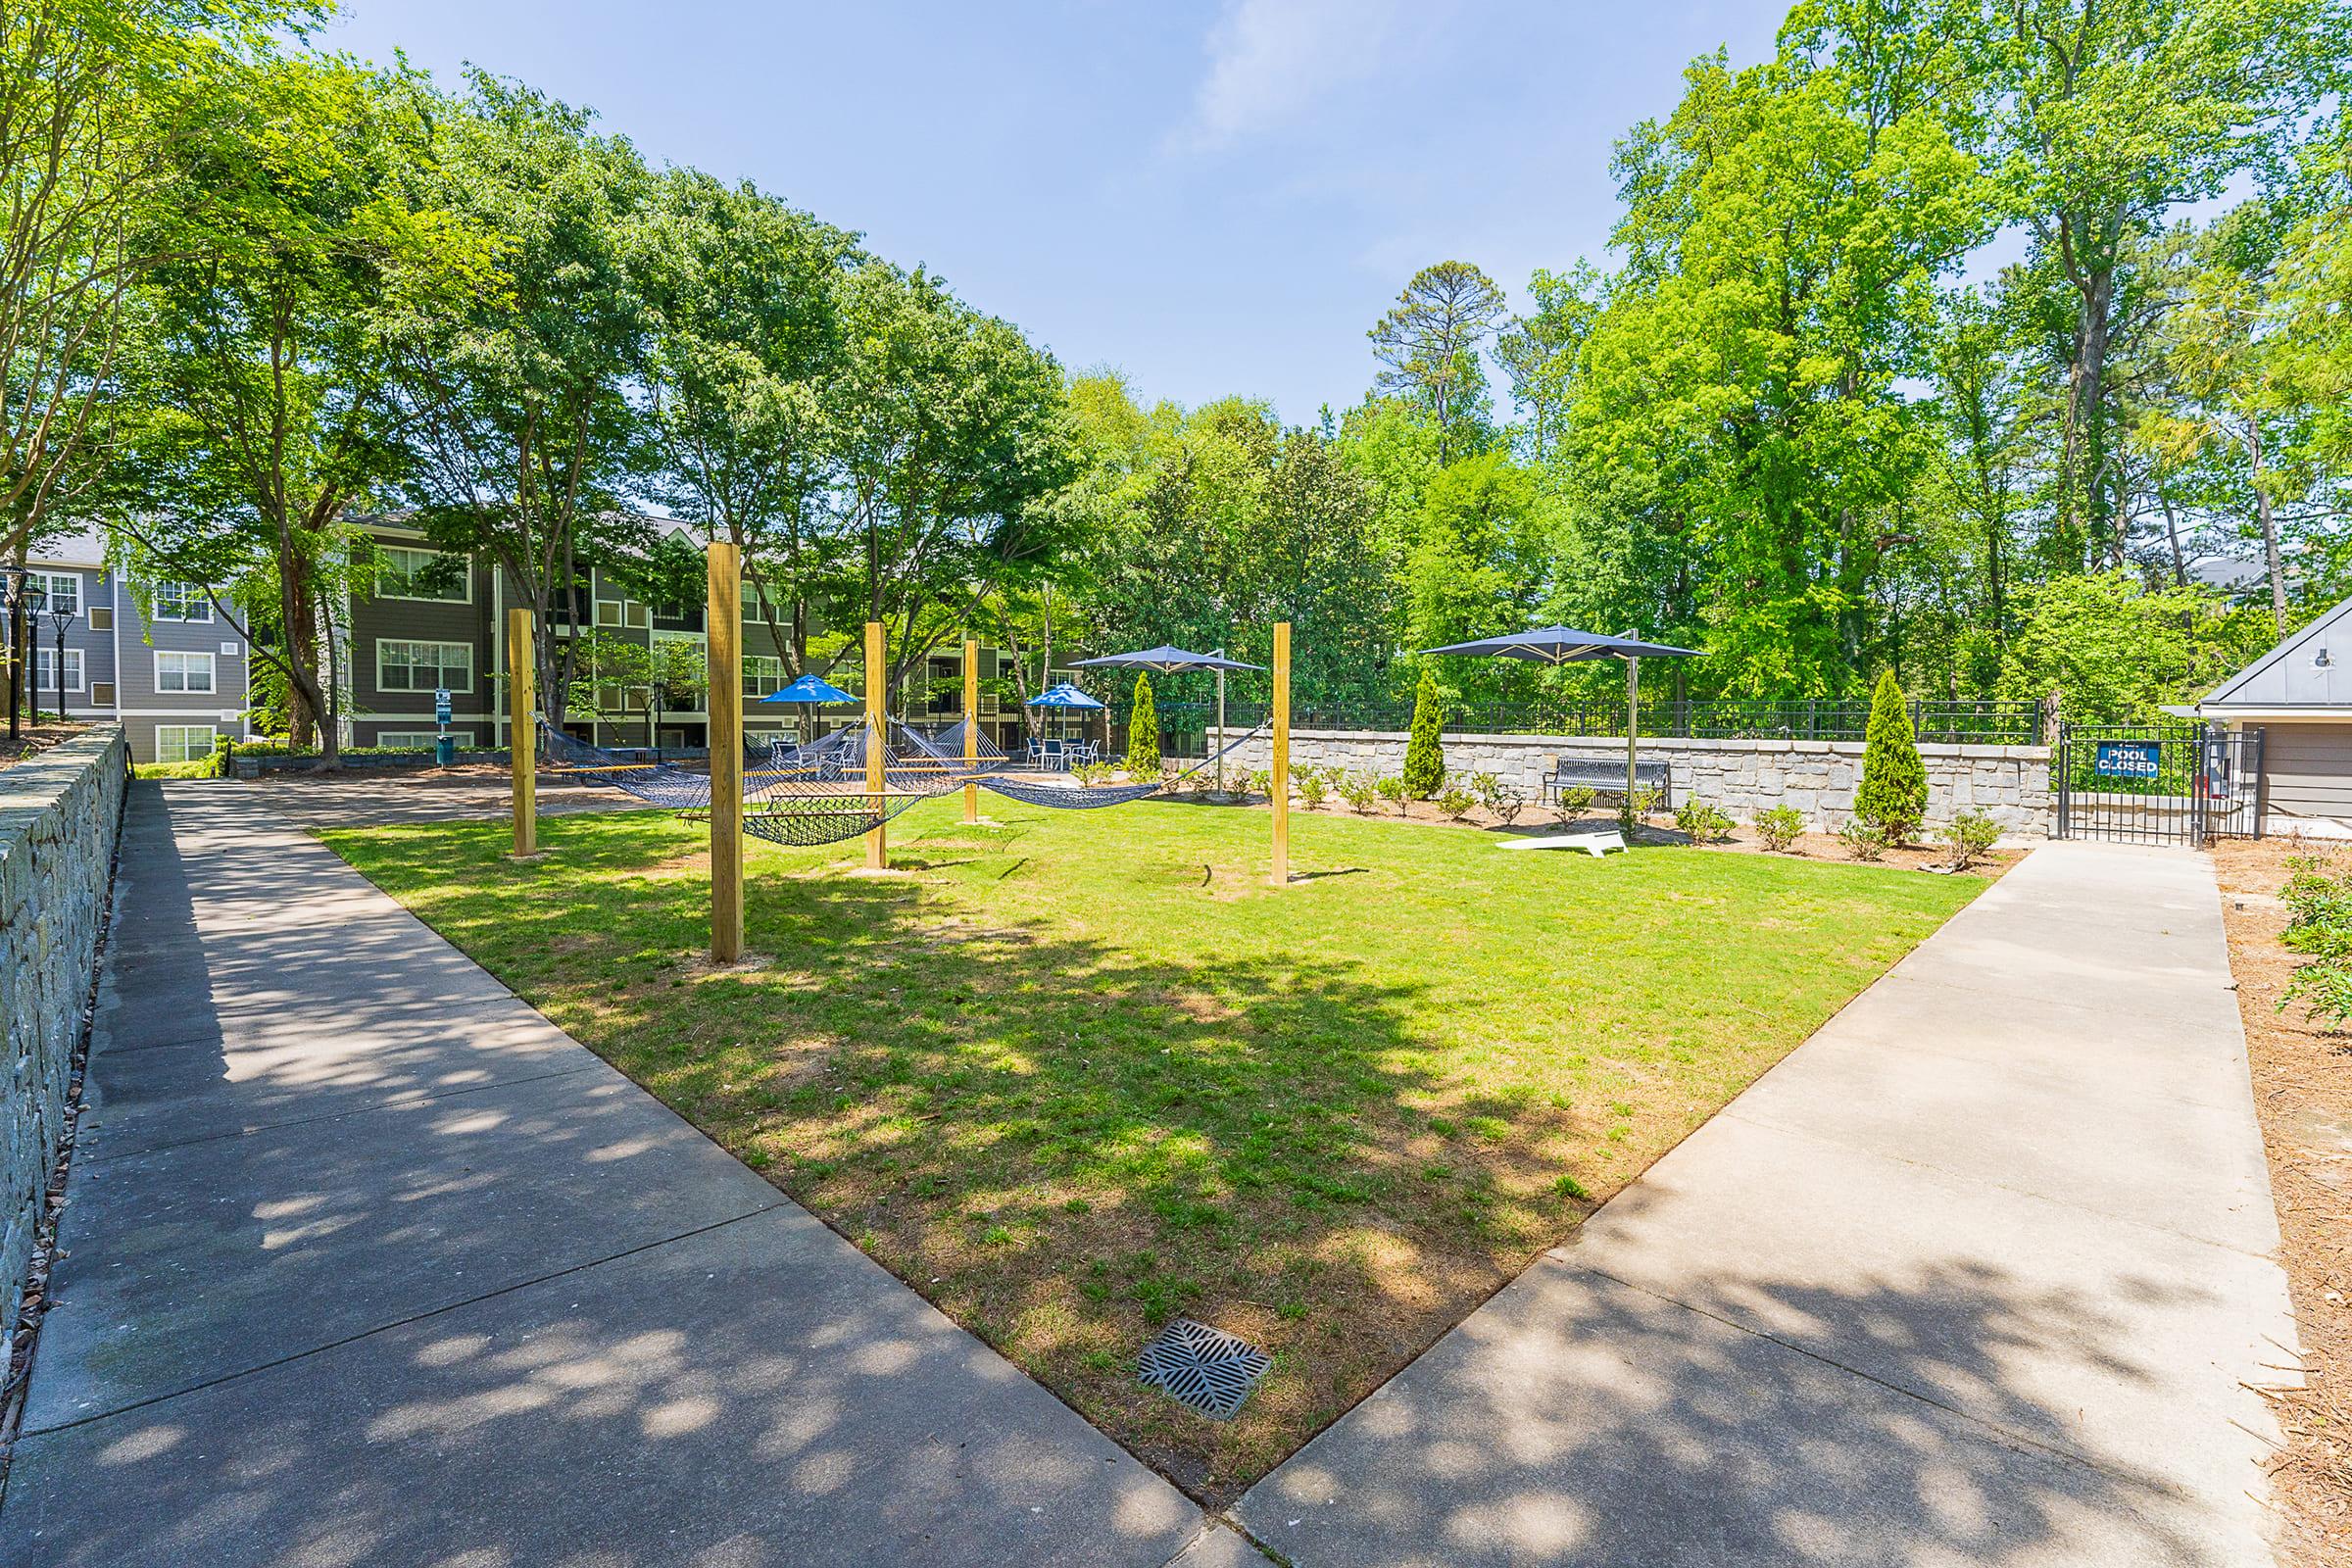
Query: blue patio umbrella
(1565, 645)
(809, 690)
(1066, 697)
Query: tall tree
(524, 437)
(744, 355)
(1428, 346)
(100, 103)
(2114, 112)
(269, 348)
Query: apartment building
(435, 623)
(177, 681)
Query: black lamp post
(59, 620)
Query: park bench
(1603, 773)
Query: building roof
(2309, 671)
(87, 548)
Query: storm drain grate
(1206, 1368)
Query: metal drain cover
(1206, 1368)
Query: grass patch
(1083, 1071)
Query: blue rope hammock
(1039, 791)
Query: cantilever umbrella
(1565, 645)
(1166, 660)
(809, 690)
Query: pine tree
(1143, 733)
(1424, 756)
(1894, 782)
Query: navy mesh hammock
(819, 793)
(1059, 791)
(797, 794)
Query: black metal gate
(2171, 784)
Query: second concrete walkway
(366, 1263)
(1976, 1276)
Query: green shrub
(1261, 782)
(1780, 827)
(1864, 840)
(1972, 836)
(1894, 794)
(1424, 753)
(1503, 800)
(1702, 822)
(2324, 988)
(1391, 789)
(213, 765)
(1314, 788)
(1575, 800)
(1142, 732)
(1456, 801)
(2318, 902)
(1642, 802)
(1360, 791)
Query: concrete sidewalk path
(366, 1263)
(1975, 1276)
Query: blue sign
(441, 708)
(2129, 759)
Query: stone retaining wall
(2011, 784)
(59, 813)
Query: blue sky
(1215, 198)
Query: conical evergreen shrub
(1424, 755)
(1143, 733)
(1894, 794)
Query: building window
(102, 694)
(44, 669)
(102, 617)
(184, 673)
(761, 673)
(57, 590)
(622, 612)
(404, 667)
(406, 572)
(182, 601)
(184, 742)
(417, 740)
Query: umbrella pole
(1633, 728)
(877, 837)
(1220, 726)
(724, 645)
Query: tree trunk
(2270, 527)
(2087, 517)
(9, 657)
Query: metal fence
(2157, 784)
(1984, 724)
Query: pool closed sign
(2128, 760)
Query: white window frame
(407, 576)
(191, 601)
(757, 682)
(211, 674)
(416, 740)
(210, 732)
(49, 586)
(440, 664)
(44, 668)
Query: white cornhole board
(1593, 844)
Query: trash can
(445, 751)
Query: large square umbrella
(1166, 660)
(1565, 645)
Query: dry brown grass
(2303, 1094)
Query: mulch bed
(2302, 1076)
(37, 739)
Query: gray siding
(2307, 770)
(121, 657)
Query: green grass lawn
(1075, 1074)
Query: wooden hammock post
(522, 734)
(877, 845)
(1281, 874)
(971, 729)
(725, 702)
